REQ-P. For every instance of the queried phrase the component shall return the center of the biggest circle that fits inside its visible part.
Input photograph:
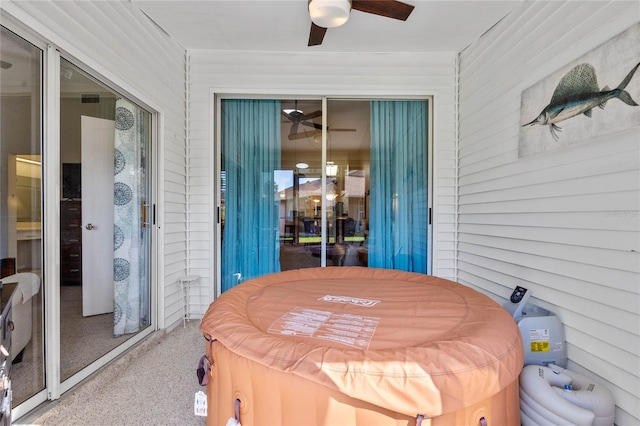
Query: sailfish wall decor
(592, 99)
(578, 93)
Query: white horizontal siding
(564, 223)
(126, 50)
(317, 74)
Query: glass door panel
(399, 199)
(21, 242)
(347, 171)
(301, 200)
(104, 231)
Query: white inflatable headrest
(554, 395)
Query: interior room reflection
(300, 186)
(21, 244)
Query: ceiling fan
(333, 13)
(297, 117)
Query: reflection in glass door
(21, 211)
(365, 205)
(300, 197)
(342, 193)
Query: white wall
(118, 42)
(281, 74)
(564, 223)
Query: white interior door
(97, 215)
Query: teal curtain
(398, 222)
(130, 237)
(250, 156)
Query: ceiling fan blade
(312, 124)
(311, 134)
(388, 8)
(309, 124)
(302, 135)
(294, 129)
(311, 115)
(316, 35)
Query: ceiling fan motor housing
(329, 13)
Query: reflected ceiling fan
(333, 13)
(297, 117)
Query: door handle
(144, 214)
(89, 226)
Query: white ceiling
(283, 25)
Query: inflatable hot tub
(352, 345)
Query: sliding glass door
(83, 151)
(21, 212)
(294, 196)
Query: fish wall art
(571, 107)
(578, 93)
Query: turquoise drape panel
(250, 155)
(130, 238)
(398, 205)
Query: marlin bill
(578, 93)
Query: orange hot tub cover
(404, 342)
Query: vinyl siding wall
(564, 223)
(285, 74)
(128, 50)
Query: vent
(90, 99)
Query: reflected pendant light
(329, 13)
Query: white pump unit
(541, 330)
(550, 394)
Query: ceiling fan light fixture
(332, 169)
(329, 13)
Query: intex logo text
(365, 303)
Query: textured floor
(154, 384)
(82, 341)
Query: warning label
(539, 346)
(352, 330)
(539, 339)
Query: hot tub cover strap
(204, 365)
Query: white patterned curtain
(130, 238)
